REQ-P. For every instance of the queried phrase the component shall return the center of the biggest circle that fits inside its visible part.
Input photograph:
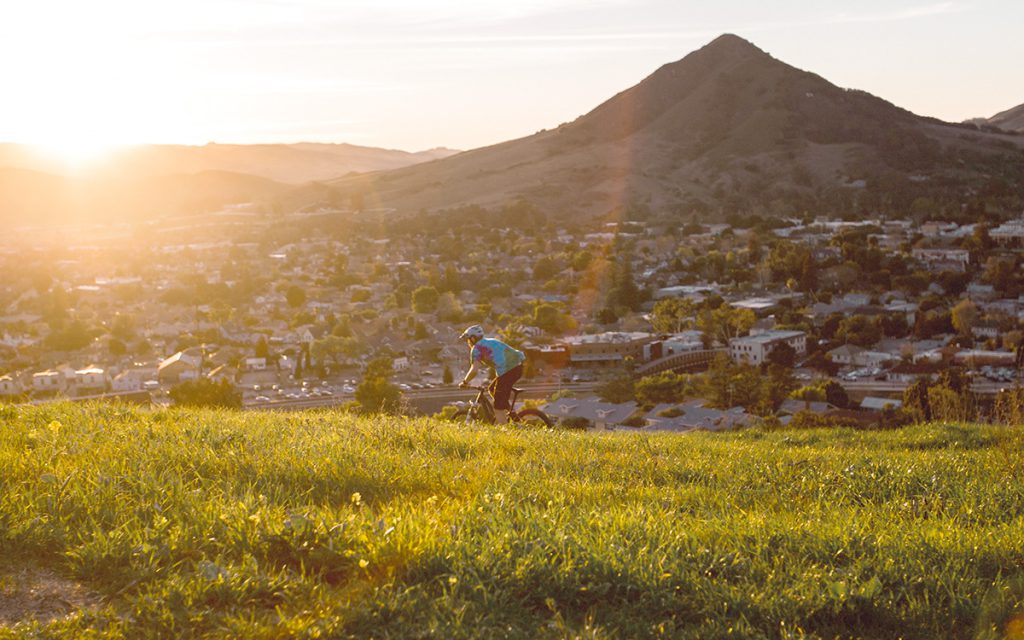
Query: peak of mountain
(726, 127)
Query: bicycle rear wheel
(534, 418)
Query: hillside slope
(1010, 120)
(209, 524)
(149, 180)
(726, 126)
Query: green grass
(229, 524)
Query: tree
(671, 315)
(617, 389)
(781, 355)
(425, 299)
(447, 377)
(448, 307)
(662, 388)
(725, 323)
(548, 318)
(296, 296)
(206, 393)
(545, 268)
(859, 330)
(262, 348)
(1000, 273)
(964, 316)
(624, 292)
(376, 393)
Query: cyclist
(504, 361)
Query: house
(179, 367)
(985, 330)
(956, 259)
(755, 349)
(848, 354)
(791, 406)
(907, 372)
(603, 415)
(255, 364)
(91, 379)
(222, 373)
(872, 403)
(1010, 234)
(682, 342)
(48, 381)
(400, 364)
(694, 415)
(9, 386)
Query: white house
(959, 258)
(9, 386)
(754, 349)
(255, 364)
(400, 364)
(48, 381)
(91, 379)
(179, 367)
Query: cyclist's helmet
(476, 331)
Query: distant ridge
(1010, 120)
(149, 180)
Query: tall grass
(226, 524)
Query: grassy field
(210, 524)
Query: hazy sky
(414, 74)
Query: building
(908, 372)
(755, 349)
(602, 415)
(179, 367)
(606, 350)
(48, 381)
(91, 380)
(848, 354)
(1010, 234)
(955, 258)
(9, 386)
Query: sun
(76, 153)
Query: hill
(1010, 120)
(217, 524)
(728, 126)
(145, 181)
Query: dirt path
(32, 592)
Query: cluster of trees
(206, 393)
(758, 389)
(718, 321)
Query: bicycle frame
(481, 404)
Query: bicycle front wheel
(534, 418)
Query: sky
(414, 74)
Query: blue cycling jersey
(496, 355)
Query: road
(423, 401)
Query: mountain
(728, 127)
(1009, 120)
(38, 198)
(150, 180)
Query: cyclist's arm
(469, 374)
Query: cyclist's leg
(502, 392)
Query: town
(636, 322)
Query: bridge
(685, 361)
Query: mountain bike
(481, 409)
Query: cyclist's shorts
(503, 386)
